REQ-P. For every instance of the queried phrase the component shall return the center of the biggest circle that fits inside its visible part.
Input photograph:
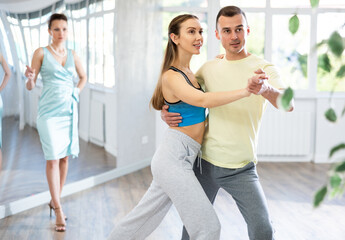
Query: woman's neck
(58, 46)
(182, 61)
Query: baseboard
(262, 158)
(323, 158)
(36, 200)
(96, 142)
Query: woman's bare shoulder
(170, 75)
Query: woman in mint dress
(57, 120)
(4, 82)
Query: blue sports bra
(190, 114)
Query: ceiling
(13, 1)
(24, 6)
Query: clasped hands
(258, 83)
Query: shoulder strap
(183, 74)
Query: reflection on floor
(289, 188)
(23, 172)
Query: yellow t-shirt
(230, 139)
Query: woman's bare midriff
(195, 131)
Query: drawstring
(199, 160)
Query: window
(109, 63)
(327, 24)
(290, 4)
(332, 4)
(185, 3)
(244, 3)
(93, 39)
(6, 50)
(108, 5)
(18, 40)
(290, 52)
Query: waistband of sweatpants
(184, 137)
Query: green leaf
(286, 98)
(335, 192)
(336, 44)
(335, 181)
(331, 115)
(341, 72)
(314, 3)
(324, 62)
(341, 167)
(336, 148)
(293, 24)
(343, 112)
(319, 196)
(321, 43)
(303, 62)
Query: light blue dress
(1, 110)
(57, 120)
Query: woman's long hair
(157, 100)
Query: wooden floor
(289, 188)
(23, 172)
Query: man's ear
(248, 30)
(174, 38)
(217, 34)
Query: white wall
(138, 59)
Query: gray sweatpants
(244, 186)
(174, 182)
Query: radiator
(286, 134)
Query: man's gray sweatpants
(244, 186)
(174, 182)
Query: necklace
(58, 54)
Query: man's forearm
(272, 94)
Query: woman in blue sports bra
(174, 181)
(4, 82)
(57, 119)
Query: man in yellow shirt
(230, 140)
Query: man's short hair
(230, 11)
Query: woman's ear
(174, 38)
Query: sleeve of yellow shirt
(200, 77)
(274, 77)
